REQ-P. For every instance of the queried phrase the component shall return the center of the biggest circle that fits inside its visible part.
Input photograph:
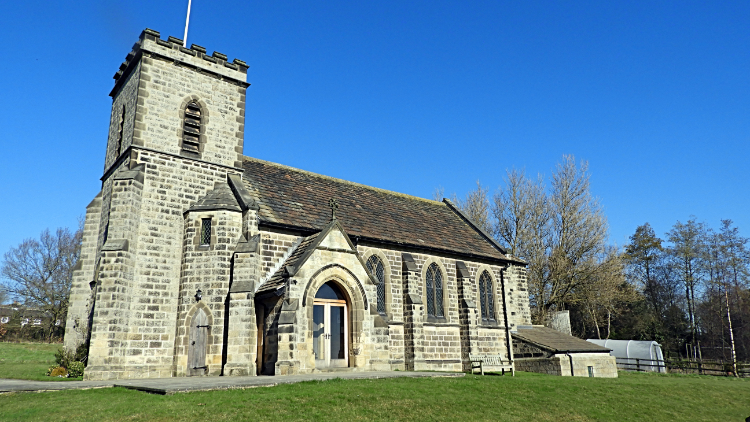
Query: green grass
(28, 361)
(632, 397)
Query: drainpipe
(571, 363)
(508, 342)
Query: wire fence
(684, 366)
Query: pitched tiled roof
(277, 279)
(220, 198)
(555, 341)
(299, 198)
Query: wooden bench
(478, 361)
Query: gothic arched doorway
(330, 327)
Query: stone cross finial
(334, 204)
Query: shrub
(58, 372)
(65, 357)
(75, 369)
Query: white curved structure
(634, 355)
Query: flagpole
(187, 22)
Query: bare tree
(727, 264)
(38, 272)
(606, 293)
(686, 252)
(476, 206)
(438, 194)
(521, 211)
(562, 234)
(579, 233)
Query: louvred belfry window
(191, 131)
(375, 266)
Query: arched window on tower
(486, 298)
(191, 128)
(376, 268)
(434, 284)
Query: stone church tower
(197, 260)
(176, 131)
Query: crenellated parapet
(196, 57)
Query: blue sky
(408, 96)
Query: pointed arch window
(191, 128)
(375, 267)
(434, 285)
(486, 297)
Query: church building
(199, 260)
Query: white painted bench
(479, 361)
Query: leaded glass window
(376, 268)
(434, 287)
(205, 232)
(486, 299)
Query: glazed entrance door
(330, 334)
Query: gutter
(571, 363)
(508, 340)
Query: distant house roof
(10, 310)
(555, 341)
(297, 198)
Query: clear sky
(407, 96)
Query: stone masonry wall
(168, 83)
(81, 298)
(127, 97)
(207, 268)
(110, 352)
(602, 364)
(275, 249)
(549, 366)
(517, 291)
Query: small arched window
(434, 284)
(120, 132)
(191, 128)
(376, 268)
(486, 298)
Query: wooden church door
(198, 344)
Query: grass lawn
(28, 361)
(527, 396)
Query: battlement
(171, 49)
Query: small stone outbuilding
(541, 349)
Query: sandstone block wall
(603, 365)
(165, 89)
(81, 290)
(433, 345)
(125, 100)
(207, 268)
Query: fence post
(637, 364)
